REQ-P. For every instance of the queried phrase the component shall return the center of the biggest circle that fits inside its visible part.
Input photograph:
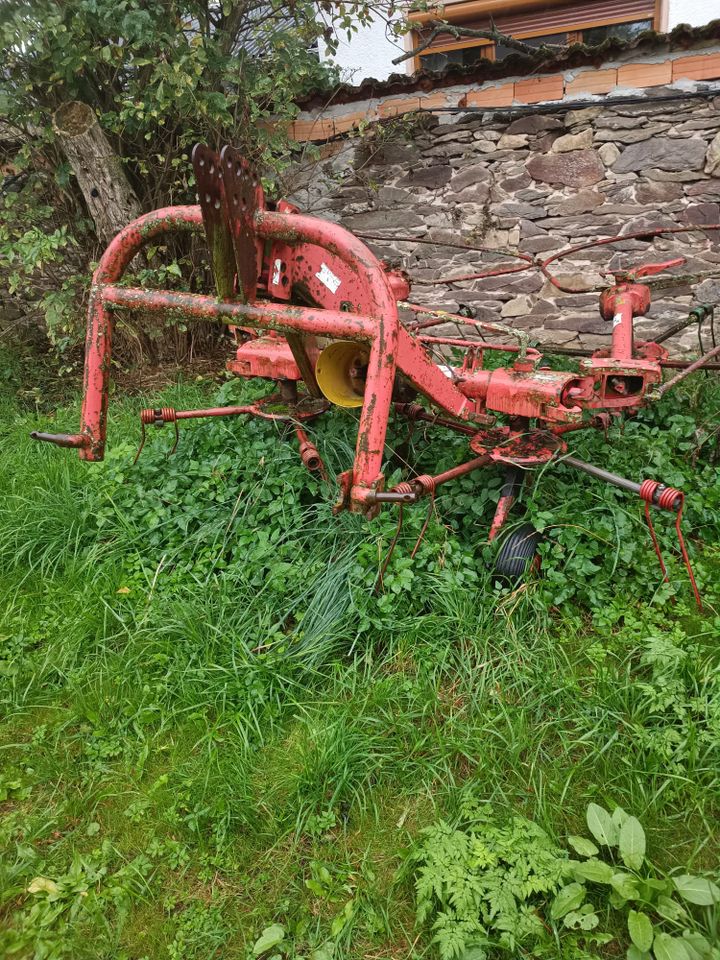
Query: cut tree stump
(110, 198)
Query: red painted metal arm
(369, 292)
(262, 313)
(122, 248)
(98, 341)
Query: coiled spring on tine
(667, 498)
(413, 411)
(424, 484)
(158, 416)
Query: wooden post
(110, 198)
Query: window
(533, 21)
(466, 56)
(626, 31)
(501, 52)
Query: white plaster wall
(695, 12)
(369, 53)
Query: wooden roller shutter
(548, 19)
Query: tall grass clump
(219, 724)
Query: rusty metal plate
(529, 448)
(243, 197)
(208, 178)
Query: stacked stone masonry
(536, 183)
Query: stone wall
(536, 183)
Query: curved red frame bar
(391, 346)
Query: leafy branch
(441, 27)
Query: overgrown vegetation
(490, 885)
(218, 741)
(160, 78)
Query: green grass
(211, 723)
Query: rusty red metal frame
(265, 258)
(391, 346)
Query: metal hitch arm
(61, 439)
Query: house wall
(535, 183)
(660, 66)
(695, 12)
(371, 50)
(369, 53)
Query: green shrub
(160, 78)
(481, 882)
(491, 887)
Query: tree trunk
(110, 198)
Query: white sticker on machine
(277, 272)
(328, 278)
(617, 319)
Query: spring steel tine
(428, 485)
(380, 582)
(177, 439)
(158, 416)
(668, 498)
(142, 441)
(655, 494)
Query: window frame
(573, 30)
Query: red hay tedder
(310, 303)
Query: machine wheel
(517, 553)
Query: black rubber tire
(517, 552)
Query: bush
(160, 78)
